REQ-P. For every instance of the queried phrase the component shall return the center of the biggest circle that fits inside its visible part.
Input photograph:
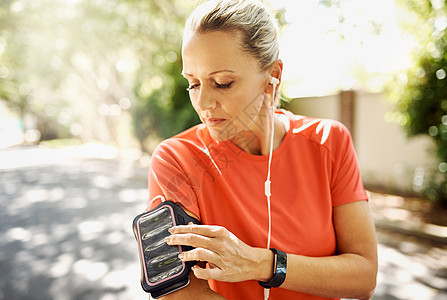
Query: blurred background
(88, 88)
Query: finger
(189, 239)
(207, 273)
(200, 254)
(205, 230)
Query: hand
(229, 258)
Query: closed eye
(224, 86)
(218, 85)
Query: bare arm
(349, 274)
(196, 289)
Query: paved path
(65, 218)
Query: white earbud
(274, 81)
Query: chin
(219, 135)
(241, 139)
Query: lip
(214, 121)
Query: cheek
(197, 109)
(250, 106)
(246, 98)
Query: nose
(205, 99)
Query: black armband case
(162, 272)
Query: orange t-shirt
(314, 169)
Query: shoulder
(326, 132)
(183, 143)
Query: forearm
(346, 275)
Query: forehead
(205, 52)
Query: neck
(257, 142)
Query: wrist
(279, 270)
(264, 265)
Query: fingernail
(171, 230)
(168, 239)
(181, 256)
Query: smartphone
(162, 272)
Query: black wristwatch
(279, 270)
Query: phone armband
(162, 272)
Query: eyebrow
(210, 74)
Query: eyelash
(224, 86)
(192, 87)
(219, 86)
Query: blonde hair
(257, 28)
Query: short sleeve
(168, 178)
(346, 182)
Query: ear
(275, 71)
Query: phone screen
(161, 260)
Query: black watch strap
(279, 270)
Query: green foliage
(163, 108)
(421, 92)
(166, 109)
(75, 66)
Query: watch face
(281, 264)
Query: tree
(163, 108)
(79, 68)
(421, 91)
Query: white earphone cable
(268, 182)
(267, 186)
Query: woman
(320, 220)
